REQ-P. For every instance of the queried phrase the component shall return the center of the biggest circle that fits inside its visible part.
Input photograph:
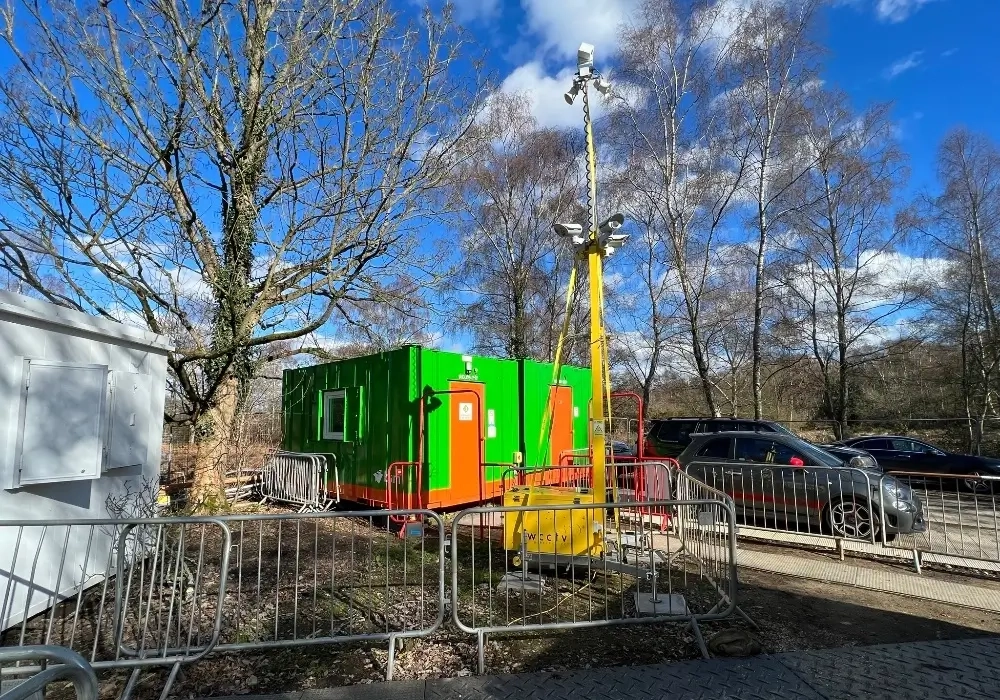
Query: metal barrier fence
(162, 592)
(68, 665)
(606, 565)
(299, 479)
(331, 578)
(124, 594)
(842, 503)
(960, 513)
(627, 481)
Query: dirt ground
(791, 614)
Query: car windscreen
(782, 429)
(817, 456)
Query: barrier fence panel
(162, 592)
(961, 516)
(121, 593)
(30, 685)
(843, 503)
(299, 479)
(570, 566)
(329, 578)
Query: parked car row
(778, 476)
(668, 437)
(840, 488)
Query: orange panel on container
(561, 439)
(466, 428)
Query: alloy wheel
(852, 519)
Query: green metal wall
(537, 381)
(501, 396)
(387, 413)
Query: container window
(334, 412)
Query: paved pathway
(898, 582)
(965, 669)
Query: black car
(900, 453)
(667, 437)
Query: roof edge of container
(18, 309)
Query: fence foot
(130, 686)
(696, 630)
(392, 658)
(840, 549)
(916, 561)
(481, 636)
(165, 693)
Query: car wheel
(974, 484)
(852, 519)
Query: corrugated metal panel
(500, 404)
(387, 416)
(537, 383)
(393, 384)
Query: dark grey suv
(782, 478)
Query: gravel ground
(792, 614)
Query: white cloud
(546, 95)
(562, 25)
(471, 10)
(897, 10)
(902, 65)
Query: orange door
(466, 429)
(561, 437)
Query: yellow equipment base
(569, 532)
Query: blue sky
(938, 61)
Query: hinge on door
(27, 377)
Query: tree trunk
(208, 492)
(758, 318)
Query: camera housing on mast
(572, 231)
(609, 240)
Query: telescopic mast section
(601, 240)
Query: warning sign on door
(465, 411)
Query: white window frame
(328, 432)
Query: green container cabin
(480, 416)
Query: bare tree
(227, 173)
(676, 158)
(772, 62)
(963, 224)
(729, 329)
(515, 181)
(842, 276)
(644, 305)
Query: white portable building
(81, 420)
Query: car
(620, 450)
(901, 453)
(779, 476)
(667, 437)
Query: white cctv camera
(612, 223)
(603, 86)
(614, 242)
(570, 96)
(567, 229)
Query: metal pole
(597, 354)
